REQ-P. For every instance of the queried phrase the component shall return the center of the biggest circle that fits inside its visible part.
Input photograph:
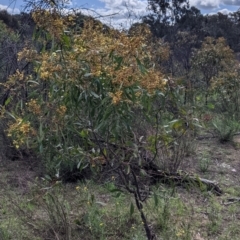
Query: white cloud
(10, 10)
(214, 4)
(206, 4)
(120, 4)
(225, 11)
(119, 13)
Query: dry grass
(34, 208)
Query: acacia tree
(82, 97)
(88, 93)
(213, 58)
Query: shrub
(225, 128)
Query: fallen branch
(183, 179)
(231, 201)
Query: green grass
(88, 211)
(40, 209)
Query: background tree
(168, 9)
(213, 58)
(222, 25)
(9, 47)
(182, 50)
(164, 17)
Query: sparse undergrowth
(34, 208)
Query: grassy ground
(32, 207)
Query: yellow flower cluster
(53, 20)
(34, 107)
(116, 97)
(17, 76)
(180, 233)
(61, 110)
(50, 20)
(152, 81)
(20, 131)
(28, 54)
(49, 66)
(122, 68)
(108, 53)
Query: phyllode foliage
(93, 95)
(83, 92)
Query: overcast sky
(123, 12)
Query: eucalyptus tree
(211, 60)
(170, 9)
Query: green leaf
(178, 125)
(128, 169)
(47, 177)
(131, 209)
(41, 148)
(141, 66)
(105, 151)
(108, 112)
(41, 133)
(83, 167)
(84, 133)
(174, 121)
(210, 106)
(11, 115)
(117, 195)
(31, 81)
(130, 94)
(94, 94)
(115, 190)
(155, 199)
(101, 203)
(197, 125)
(111, 54)
(198, 98)
(79, 164)
(119, 61)
(92, 198)
(7, 101)
(66, 40)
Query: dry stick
(155, 144)
(123, 177)
(184, 178)
(138, 200)
(136, 192)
